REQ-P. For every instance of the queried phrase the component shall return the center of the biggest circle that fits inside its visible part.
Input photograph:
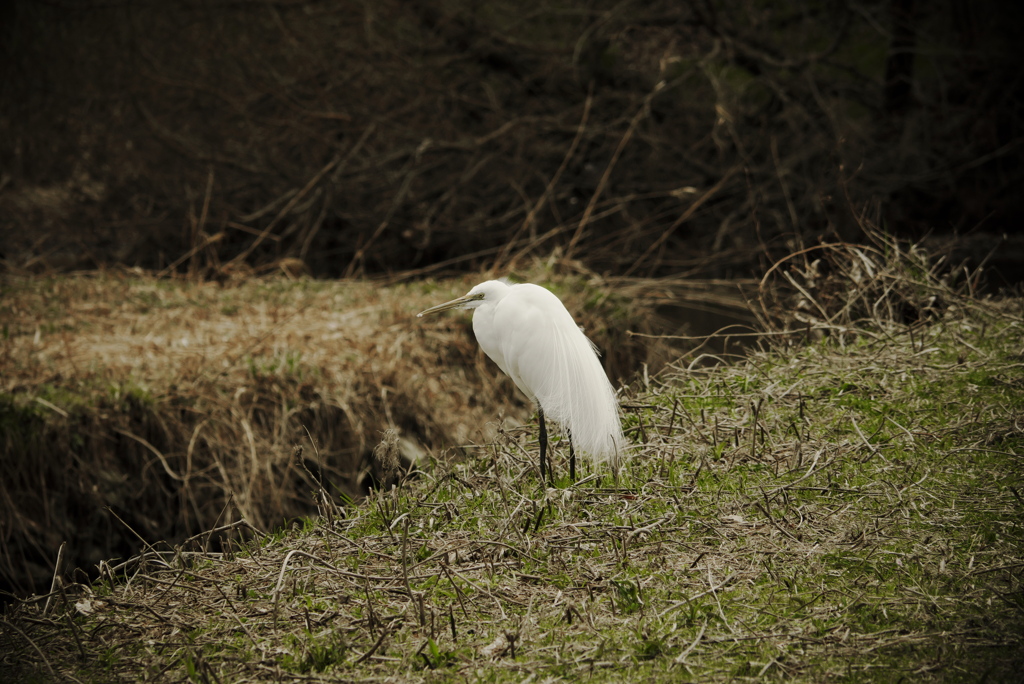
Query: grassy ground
(842, 505)
(176, 405)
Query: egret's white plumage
(527, 331)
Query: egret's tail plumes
(579, 397)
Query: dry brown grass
(179, 405)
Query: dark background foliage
(644, 138)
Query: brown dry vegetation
(137, 407)
(842, 505)
(646, 138)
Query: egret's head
(487, 292)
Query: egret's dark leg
(543, 443)
(572, 459)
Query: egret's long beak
(454, 304)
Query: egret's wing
(514, 338)
(552, 361)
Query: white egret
(527, 331)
